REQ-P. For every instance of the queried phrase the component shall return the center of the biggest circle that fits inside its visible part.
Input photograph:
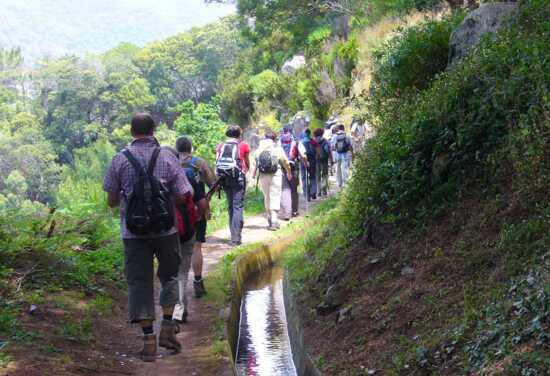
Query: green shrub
(317, 38)
(410, 60)
(266, 85)
(430, 143)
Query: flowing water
(264, 346)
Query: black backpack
(268, 163)
(150, 208)
(310, 151)
(342, 143)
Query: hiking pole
(306, 185)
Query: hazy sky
(55, 27)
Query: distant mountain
(56, 27)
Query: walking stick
(306, 185)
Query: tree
(68, 97)
(25, 149)
(203, 124)
(186, 66)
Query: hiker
(330, 123)
(307, 151)
(270, 160)
(187, 217)
(358, 133)
(324, 159)
(149, 230)
(343, 151)
(289, 194)
(232, 164)
(204, 176)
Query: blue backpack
(192, 171)
(310, 153)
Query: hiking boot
(269, 221)
(149, 351)
(198, 286)
(167, 337)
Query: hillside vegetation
(436, 261)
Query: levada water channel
(263, 345)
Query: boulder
(488, 18)
(340, 26)
(291, 66)
(326, 91)
(339, 68)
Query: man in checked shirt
(139, 251)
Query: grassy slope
(435, 320)
(70, 269)
(75, 279)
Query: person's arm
(207, 174)
(113, 199)
(303, 155)
(247, 156)
(285, 163)
(112, 184)
(255, 171)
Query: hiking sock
(147, 330)
(198, 278)
(167, 317)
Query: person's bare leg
(196, 259)
(145, 323)
(168, 310)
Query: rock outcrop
(291, 66)
(488, 18)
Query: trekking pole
(306, 185)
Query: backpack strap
(193, 163)
(133, 161)
(153, 161)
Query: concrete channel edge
(257, 261)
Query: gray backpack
(342, 143)
(268, 162)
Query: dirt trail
(196, 358)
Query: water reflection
(264, 347)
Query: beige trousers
(271, 185)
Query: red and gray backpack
(228, 164)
